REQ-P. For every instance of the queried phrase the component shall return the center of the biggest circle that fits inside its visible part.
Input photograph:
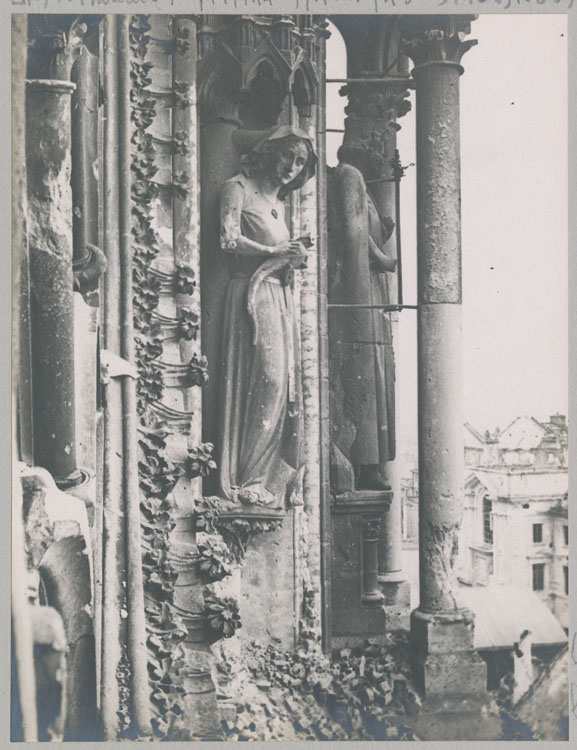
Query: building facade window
(566, 578)
(566, 535)
(487, 521)
(538, 577)
(537, 533)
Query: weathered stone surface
(50, 240)
(51, 668)
(268, 587)
(457, 719)
(445, 664)
(57, 544)
(397, 596)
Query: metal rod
(385, 308)
(380, 180)
(135, 592)
(398, 231)
(325, 494)
(409, 82)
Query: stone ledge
(362, 501)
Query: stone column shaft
(441, 462)
(371, 593)
(50, 238)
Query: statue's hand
(388, 226)
(290, 248)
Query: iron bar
(384, 308)
(398, 174)
(408, 82)
(325, 494)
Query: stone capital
(378, 100)
(55, 45)
(437, 39)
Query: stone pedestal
(358, 610)
(444, 661)
(269, 589)
(452, 677)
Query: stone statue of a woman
(260, 419)
(362, 369)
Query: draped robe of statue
(260, 461)
(362, 370)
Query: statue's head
(288, 158)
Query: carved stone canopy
(249, 64)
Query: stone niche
(255, 74)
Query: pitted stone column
(441, 461)
(50, 240)
(444, 661)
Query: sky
(514, 222)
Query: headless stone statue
(362, 370)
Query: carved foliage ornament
(439, 44)
(376, 101)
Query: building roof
(524, 433)
(502, 613)
(473, 438)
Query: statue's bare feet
(369, 478)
